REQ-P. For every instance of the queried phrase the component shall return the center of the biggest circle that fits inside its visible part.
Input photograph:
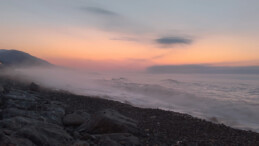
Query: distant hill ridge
(20, 59)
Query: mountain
(203, 69)
(20, 59)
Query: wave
(222, 99)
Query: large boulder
(76, 119)
(106, 141)
(73, 120)
(119, 139)
(54, 112)
(21, 95)
(1, 100)
(108, 121)
(14, 112)
(44, 135)
(50, 113)
(14, 141)
(80, 143)
(6, 89)
(21, 104)
(40, 133)
(1, 89)
(34, 87)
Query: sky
(133, 35)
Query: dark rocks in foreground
(28, 119)
(32, 116)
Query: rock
(21, 104)
(109, 121)
(1, 114)
(44, 110)
(54, 117)
(1, 89)
(14, 112)
(51, 115)
(75, 134)
(107, 142)
(76, 119)
(54, 112)
(81, 143)
(18, 103)
(34, 87)
(13, 141)
(6, 89)
(40, 133)
(73, 120)
(21, 95)
(87, 136)
(46, 116)
(1, 100)
(125, 139)
(7, 132)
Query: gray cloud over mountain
(203, 69)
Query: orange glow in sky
(112, 38)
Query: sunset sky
(133, 34)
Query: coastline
(146, 126)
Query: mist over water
(229, 99)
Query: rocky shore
(32, 115)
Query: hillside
(21, 59)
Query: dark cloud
(168, 41)
(111, 21)
(99, 11)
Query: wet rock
(109, 121)
(34, 87)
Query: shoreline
(147, 126)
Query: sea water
(231, 99)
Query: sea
(230, 99)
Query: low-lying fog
(229, 99)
